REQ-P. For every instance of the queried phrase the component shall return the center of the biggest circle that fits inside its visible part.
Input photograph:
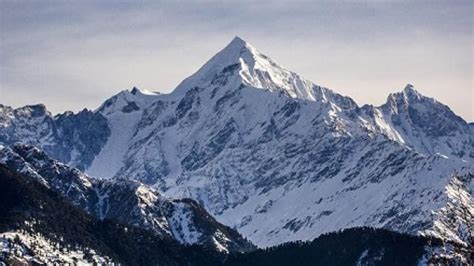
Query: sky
(74, 55)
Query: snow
(122, 126)
(387, 127)
(219, 246)
(128, 201)
(45, 251)
(460, 203)
(110, 159)
(442, 155)
(146, 195)
(102, 205)
(252, 64)
(169, 147)
(363, 256)
(147, 92)
(182, 226)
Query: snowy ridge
(182, 229)
(124, 200)
(456, 219)
(255, 70)
(423, 124)
(71, 138)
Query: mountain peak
(409, 87)
(237, 41)
(35, 110)
(127, 101)
(240, 63)
(238, 44)
(407, 95)
(236, 55)
(134, 90)
(411, 93)
(138, 91)
(237, 51)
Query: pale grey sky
(70, 55)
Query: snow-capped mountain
(281, 158)
(126, 201)
(38, 226)
(71, 138)
(423, 124)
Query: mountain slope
(126, 201)
(281, 158)
(122, 112)
(33, 231)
